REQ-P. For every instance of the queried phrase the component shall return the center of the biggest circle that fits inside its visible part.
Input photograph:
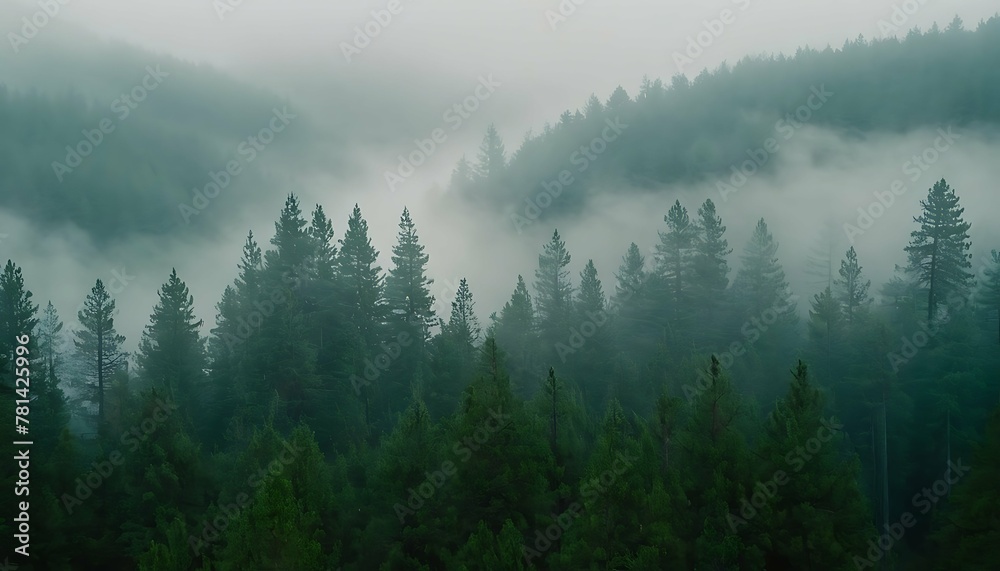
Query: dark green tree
(939, 257)
(172, 351)
(553, 292)
(818, 517)
(852, 288)
(98, 344)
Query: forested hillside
(685, 130)
(680, 417)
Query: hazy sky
(432, 54)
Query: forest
(693, 412)
(684, 416)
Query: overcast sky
(432, 54)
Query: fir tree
(553, 291)
(172, 351)
(18, 314)
(675, 257)
(711, 269)
(852, 288)
(98, 344)
(49, 338)
(406, 287)
(760, 284)
(938, 253)
(492, 156)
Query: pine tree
(172, 351)
(593, 109)
(18, 314)
(553, 291)
(852, 288)
(463, 326)
(49, 337)
(492, 156)
(590, 298)
(760, 284)
(362, 280)
(272, 533)
(406, 287)
(98, 344)
(631, 276)
(618, 101)
(516, 334)
(675, 257)
(818, 517)
(711, 269)
(591, 367)
(938, 253)
(294, 245)
(714, 450)
(324, 247)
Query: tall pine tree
(938, 253)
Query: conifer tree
(760, 284)
(50, 337)
(492, 156)
(939, 257)
(362, 280)
(324, 247)
(675, 257)
(18, 314)
(172, 351)
(711, 268)
(409, 301)
(516, 334)
(631, 276)
(816, 515)
(852, 288)
(294, 245)
(98, 343)
(553, 292)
